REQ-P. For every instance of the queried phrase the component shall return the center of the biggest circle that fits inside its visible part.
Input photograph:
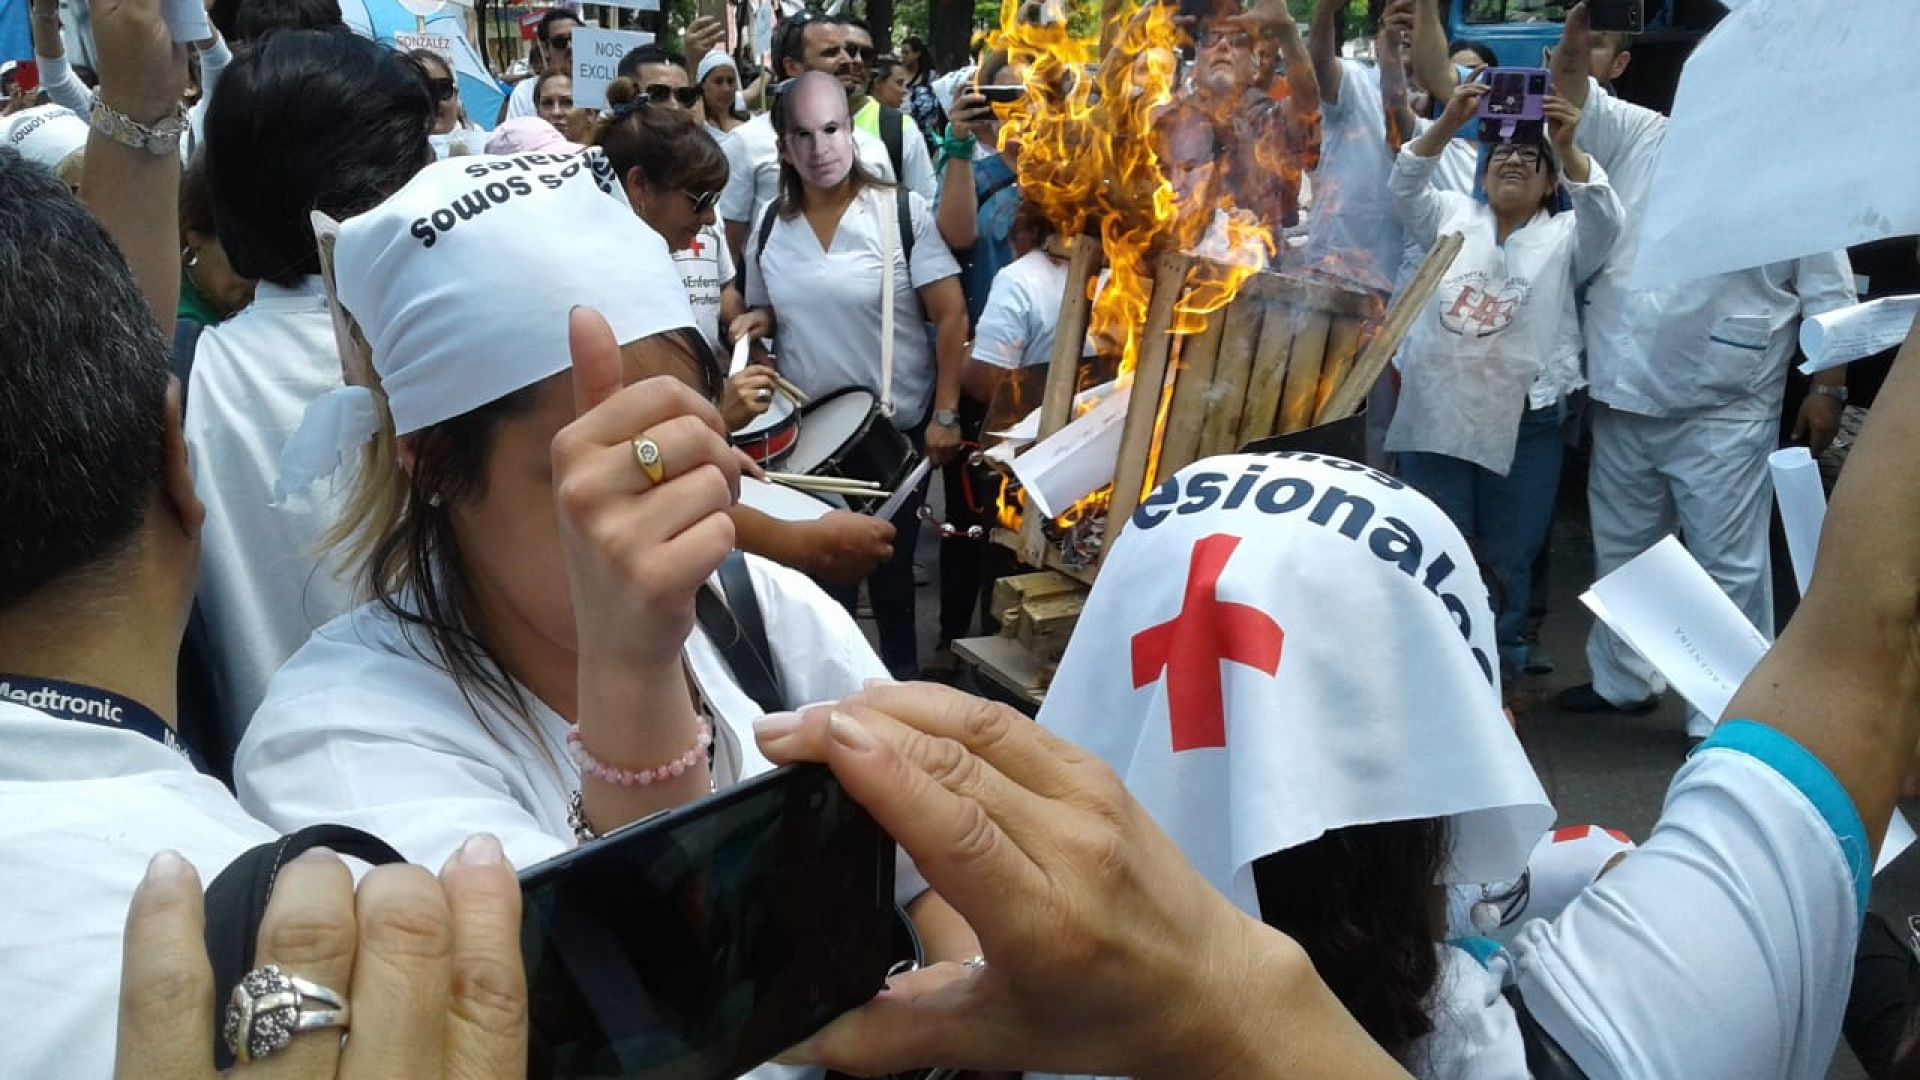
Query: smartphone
(1002, 95)
(699, 943)
(1514, 106)
(1620, 16)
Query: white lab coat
(1689, 382)
(1503, 316)
(264, 587)
(82, 810)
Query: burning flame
(1106, 145)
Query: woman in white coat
(1487, 369)
(533, 674)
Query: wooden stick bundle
(1149, 384)
(1386, 340)
(1063, 372)
(1232, 369)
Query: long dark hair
(1361, 902)
(792, 190)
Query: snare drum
(844, 434)
(770, 437)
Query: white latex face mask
(819, 139)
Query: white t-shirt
(1023, 308)
(1352, 233)
(1723, 947)
(706, 268)
(753, 167)
(361, 728)
(521, 101)
(826, 304)
(263, 586)
(82, 810)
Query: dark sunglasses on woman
(443, 89)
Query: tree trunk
(950, 32)
(880, 21)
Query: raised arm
(63, 87)
(1598, 216)
(1416, 203)
(1324, 44)
(1389, 45)
(1844, 679)
(136, 193)
(1273, 21)
(1571, 63)
(1432, 64)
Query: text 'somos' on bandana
(462, 283)
(1282, 645)
(45, 135)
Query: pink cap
(527, 134)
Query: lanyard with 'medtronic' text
(90, 705)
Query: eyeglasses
(443, 89)
(702, 202)
(563, 42)
(661, 93)
(864, 53)
(1234, 37)
(1526, 155)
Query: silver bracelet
(583, 830)
(160, 138)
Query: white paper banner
(186, 20)
(1849, 333)
(1803, 507)
(1075, 461)
(1667, 607)
(596, 62)
(1785, 114)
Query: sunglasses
(443, 89)
(563, 42)
(661, 93)
(702, 202)
(861, 52)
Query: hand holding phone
(1514, 107)
(700, 943)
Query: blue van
(1520, 32)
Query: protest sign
(438, 44)
(1842, 336)
(596, 61)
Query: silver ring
(270, 1006)
(975, 963)
(765, 394)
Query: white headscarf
(462, 283)
(46, 134)
(1282, 645)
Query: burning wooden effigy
(1214, 351)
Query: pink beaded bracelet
(593, 766)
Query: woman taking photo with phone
(1487, 368)
(543, 676)
(834, 263)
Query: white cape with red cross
(1281, 645)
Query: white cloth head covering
(716, 59)
(462, 283)
(46, 134)
(1281, 645)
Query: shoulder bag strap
(1546, 1060)
(732, 621)
(887, 244)
(237, 902)
(892, 129)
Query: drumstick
(809, 478)
(789, 389)
(830, 485)
(740, 348)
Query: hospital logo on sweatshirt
(1472, 305)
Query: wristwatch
(945, 418)
(160, 138)
(1837, 393)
